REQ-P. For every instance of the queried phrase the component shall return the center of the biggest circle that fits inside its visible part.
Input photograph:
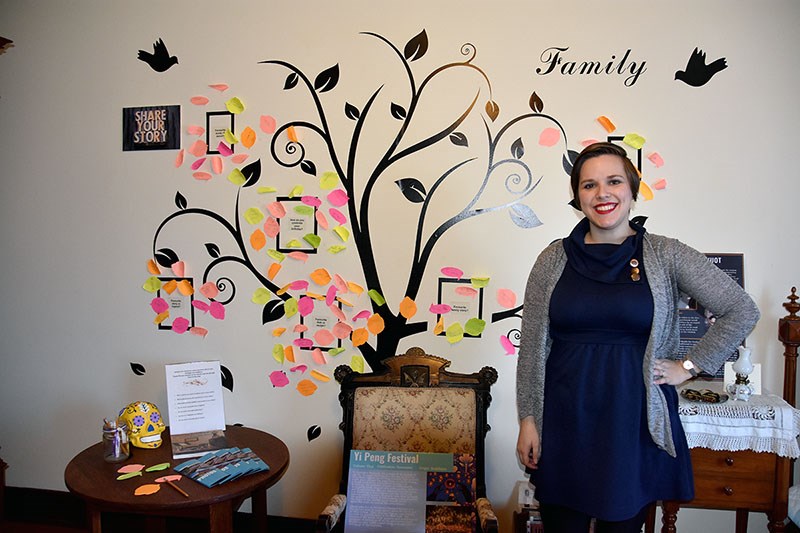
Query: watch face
(688, 365)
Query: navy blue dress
(597, 454)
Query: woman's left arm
(734, 312)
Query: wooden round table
(95, 480)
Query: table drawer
(733, 479)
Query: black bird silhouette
(159, 60)
(697, 73)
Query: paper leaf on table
(167, 479)
(278, 378)
(146, 490)
(157, 468)
(138, 369)
(313, 432)
(130, 468)
(129, 475)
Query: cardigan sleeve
(734, 310)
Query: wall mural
(332, 209)
(159, 60)
(697, 72)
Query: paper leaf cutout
(278, 378)
(506, 298)
(416, 47)
(452, 272)
(359, 337)
(606, 123)
(234, 105)
(507, 345)
(320, 376)
(130, 468)
(412, 189)
(157, 468)
(306, 387)
(454, 333)
(408, 308)
(376, 297)
(313, 432)
(357, 364)
(440, 309)
(267, 124)
(146, 490)
(278, 353)
(167, 479)
(129, 475)
(375, 324)
(474, 326)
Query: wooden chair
(414, 385)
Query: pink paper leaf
(223, 149)
(159, 305)
(452, 272)
(507, 345)
(278, 378)
(209, 290)
(217, 310)
(305, 305)
(337, 215)
(440, 309)
(180, 325)
(338, 198)
(268, 124)
(299, 368)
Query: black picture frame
(216, 124)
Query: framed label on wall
(151, 128)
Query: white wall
(77, 215)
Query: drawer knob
(728, 491)
(729, 461)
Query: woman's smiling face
(605, 196)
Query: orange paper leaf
(170, 286)
(375, 324)
(408, 308)
(152, 267)
(606, 123)
(258, 240)
(185, 287)
(306, 387)
(288, 353)
(146, 490)
(319, 376)
(248, 137)
(359, 337)
(321, 277)
(274, 268)
(439, 327)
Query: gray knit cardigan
(671, 268)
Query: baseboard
(64, 509)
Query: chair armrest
(486, 516)
(329, 516)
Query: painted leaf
(536, 103)
(138, 369)
(252, 173)
(272, 311)
(166, 257)
(180, 201)
(398, 111)
(459, 139)
(412, 189)
(492, 109)
(327, 79)
(291, 81)
(227, 377)
(212, 249)
(308, 167)
(518, 148)
(416, 47)
(313, 432)
(569, 160)
(351, 111)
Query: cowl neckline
(605, 262)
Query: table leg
(95, 520)
(741, 520)
(259, 504)
(220, 517)
(669, 517)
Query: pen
(176, 487)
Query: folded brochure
(222, 466)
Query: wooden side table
(94, 480)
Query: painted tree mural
(494, 174)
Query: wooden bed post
(789, 335)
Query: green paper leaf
(313, 240)
(129, 475)
(253, 215)
(276, 255)
(357, 364)
(305, 210)
(156, 468)
(376, 297)
(479, 283)
(328, 181)
(278, 353)
(335, 351)
(153, 284)
(260, 296)
(336, 248)
(236, 177)
(474, 326)
(290, 307)
(454, 332)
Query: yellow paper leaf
(229, 137)
(355, 287)
(342, 233)
(479, 283)
(170, 286)
(253, 215)
(152, 284)
(296, 191)
(276, 255)
(161, 317)
(328, 181)
(357, 364)
(277, 332)
(645, 191)
(454, 333)
(319, 376)
(236, 177)
(234, 105)
(260, 296)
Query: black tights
(559, 519)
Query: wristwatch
(689, 366)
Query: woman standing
(599, 426)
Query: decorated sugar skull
(144, 424)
